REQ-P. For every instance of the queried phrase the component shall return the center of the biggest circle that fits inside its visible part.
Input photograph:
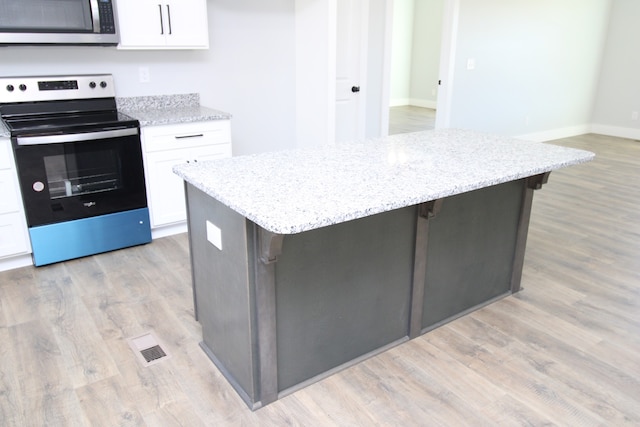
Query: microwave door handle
(169, 18)
(75, 137)
(95, 15)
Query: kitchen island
(305, 262)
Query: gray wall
(375, 124)
(537, 64)
(401, 49)
(538, 67)
(425, 55)
(619, 85)
(249, 70)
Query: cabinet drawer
(159, 138)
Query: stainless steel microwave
(52, 22)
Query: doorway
(415, 64)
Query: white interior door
(351, 60)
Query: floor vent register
(148, 349)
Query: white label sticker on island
(214, 235)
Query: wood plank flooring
(409, 118)
(564, 351)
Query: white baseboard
(620, 132)
(398, 102)
(15, 262)
(169, 230)
(567, 132)
(424, 103)
(401, 102)
(550, 135)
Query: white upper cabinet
(167, 24)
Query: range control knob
(23, 87)
(103, 84)
(92, 85)
(10, 88)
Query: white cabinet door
(13, 235)
(167, 146)
(140, 23)
(166, 189)
(188, 24)
(167, 24)
(9, 195)
(166, 193)
(13, 226)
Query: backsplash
(158, 102)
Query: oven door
(74, 176)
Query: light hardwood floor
(409, 118)
(564, 351)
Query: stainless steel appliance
(79, 165)
(69, 22)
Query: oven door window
(83, 173)
(74, 180)
(45, 16)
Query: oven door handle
(75, 137)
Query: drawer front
(160, 138)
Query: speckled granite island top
(289, 192)
(168, 109)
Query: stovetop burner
(68, 123)
(60, 104)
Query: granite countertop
(161, 110)
(168, 109)
(288, 192)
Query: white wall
(537, 65)
(425, 55)
(401, 48)
(619, 85)
(248, 71)
(417, 36)
(315, 78)
(378, 68)
(534, 59)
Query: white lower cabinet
(167, 146)
(13, 235)
(14, 238)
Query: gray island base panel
(282, 310)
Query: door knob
(355, 89)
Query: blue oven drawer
(88, 236)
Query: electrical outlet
(634, 115)
(471, 64)
(144, 75)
